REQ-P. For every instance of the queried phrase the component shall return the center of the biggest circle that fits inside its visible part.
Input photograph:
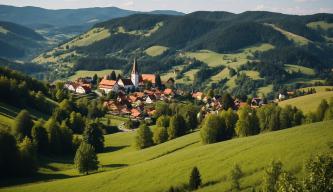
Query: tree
(162, 108)
(22, 125)
(319, 174)
(247, 123)
(212, 129)
(8, 154)
(189, 113)
(94, 79)
(66, 138)
(160, 135)
(288, 183)
(329, 111)
(76, 122)
(195, 179)
(269, 117)
(54, 136)
(163, 121)
(28, 157)
(93, 135)
(144, 137)
(321, 110)
(39, 137)
(235, 175)
(177, 127)
(113, 76)
(227, 101)
(85, 158)
(158, 81)
(272, 174)
(230, 119)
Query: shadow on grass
(38, 177)
(113, 149)
(115, 165)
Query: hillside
(289, 43)
(17, 41)
(308, 103)
(171, 162)
(55, 23)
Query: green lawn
(127, 169)
(309, 102)
(265, 90)
(83, 73)
(156, 50)
(318, 88)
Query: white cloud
(260, 7)
(128, 4)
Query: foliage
(247, 123)
(235, 175)
(195, 179)
(163, 121)
(39, 137)
(272, 174)
(28, 161)
(177, 127)
(288, 183)
(22, 125)
(93, 135)
(213, 129)
(160, 135)
(85, 158)
(8, 154)
(143, 137)
(230, 119)
(268, 116)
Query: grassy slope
(318, 88)
(320, 24)
(156, 50)
(291, 36)
(309, 102)
(154, 169)
(83, 73)
(297, 68)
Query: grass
(88, 38)
(299, 40)
(234, 60)
(221, 75)
(83, 73)
(252, 74)
(127, 169)
(320, 24)
(304, 81)
(3, 30)
(297, 68)
(307, 103)
(156, 50)
(188, 77)
(265, 90)
(319, 89)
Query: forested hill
(273, 38)
(17, 41)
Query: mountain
(17, 41)
(64, 23)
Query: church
(136, 80)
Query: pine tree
(22, 125)
(93, 135)
(195, 179)
(235, 175)
(86, 158)
(321, 110)
(144, 137)
(158, 81)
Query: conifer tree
(86, 158)
(235, 175)
(195, 179)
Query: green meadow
(124, 168)
(84, 73)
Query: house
(127, 84)
(168, 92)
(257, 102)
(148, 77)
(150, 99)
(135, 113)
(282, 97)
(83, 89)
(198, 96)
(72, 87)
(108, 85)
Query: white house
(83, 90)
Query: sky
(298, 7)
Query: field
(265, 90)
(83, 73)
(308, 103)
(318, 88)
(291, 36)
(234, 60)
(155, 50)
(127, 169)
(297, 68)
(320, 24)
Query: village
(135, 97)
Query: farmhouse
(108, 85)
(83, 89)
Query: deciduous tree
(86, 158)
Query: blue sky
(285, 6)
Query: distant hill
(64, 23)
(219, 39)
(17, 41)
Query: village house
(83, 89)
(108, 85)
(198, 96)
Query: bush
(160, 135)
(212, 129)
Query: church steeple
(135, 74)
(135, 67)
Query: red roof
(168, 91)
(149, 77)
(135, 113)
(107, 83)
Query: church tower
(135, 74)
